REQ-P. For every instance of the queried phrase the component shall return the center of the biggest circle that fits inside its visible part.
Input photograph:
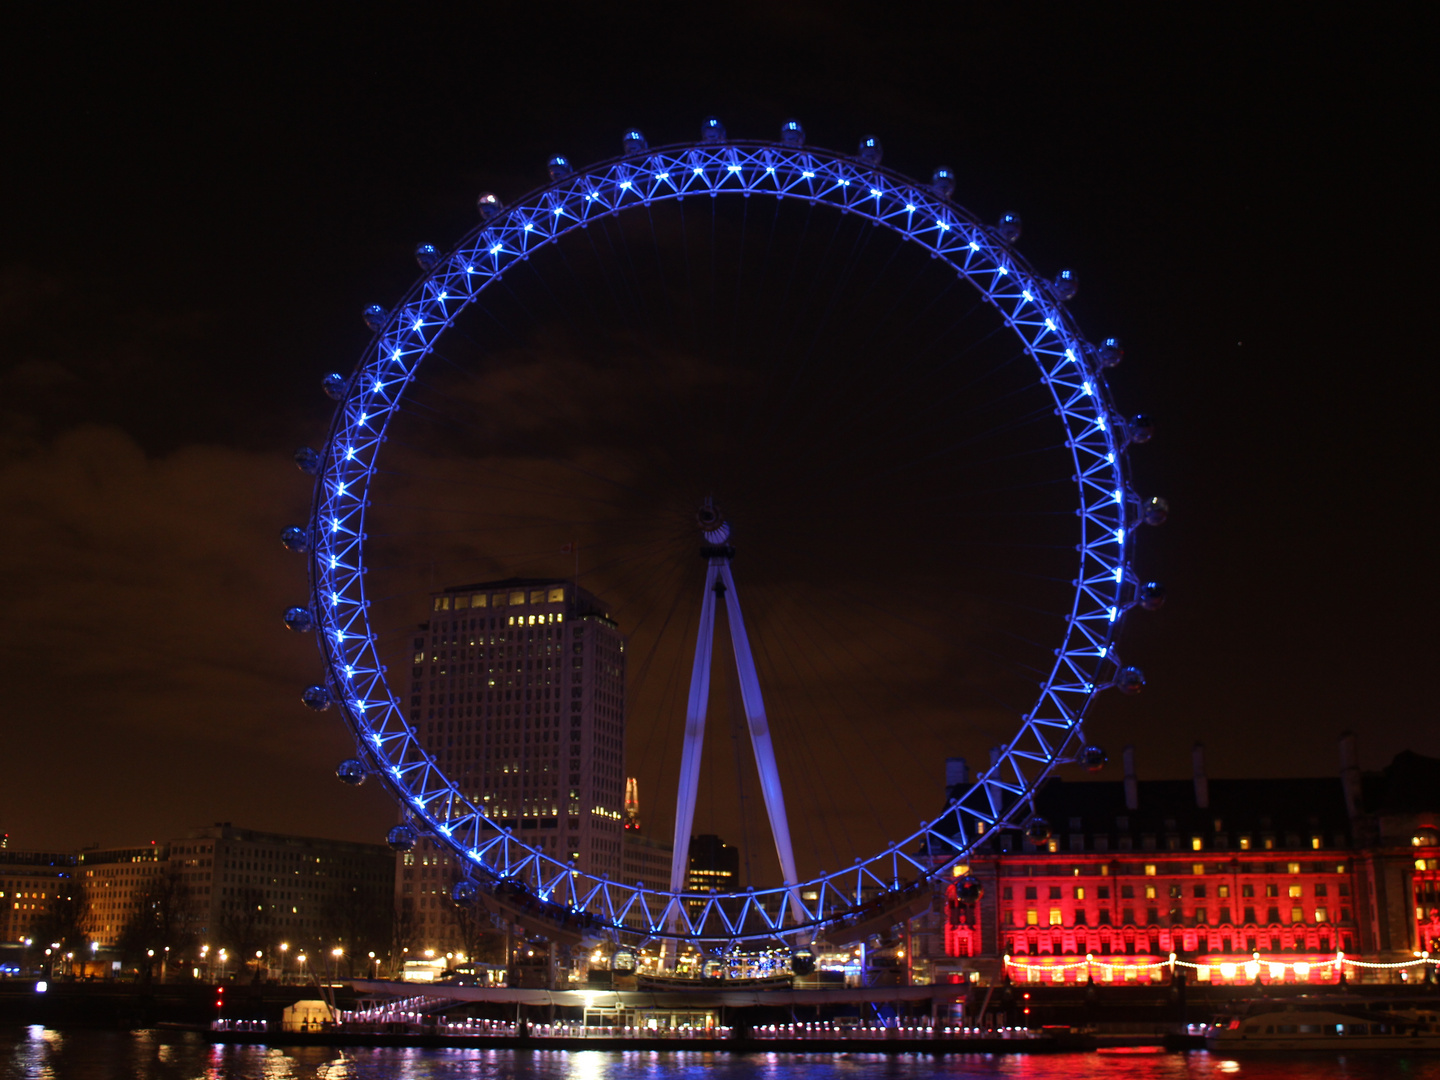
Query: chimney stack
(1202, 782)
(1132, 787)
(957, 772)
(1350, 773)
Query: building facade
(518, 690)
(231, 886)
(118, 883)
(30, 883)
(1280, 874)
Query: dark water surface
(35, 1053)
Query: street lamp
(223, 956)
(259, 962)
(335, 955)
(374, 972)
(284, 948)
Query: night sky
(197, 208)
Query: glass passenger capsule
(427, 257)
(870, 151)
(1110, 352)
(299, 619)
(1152, 596)
(1130, 680)
(489, 205)
(335, 386)
(295, 538)
(1141, 428)
(623, 961)
(968, 889)
(1066, 285)
(1156, 510)
(464, 892)
(351, 771)
(375, 318)
(802, 961)
(712, 130)
(1008, 228)
(559, 167)
(307, 461)
(402, 838)
(1037, 831)
(634, 142)
(792, 133)
(317, 698)
(1093, 758)
(942, 182)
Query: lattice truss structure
(1031, 306)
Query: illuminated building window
(1297, 914)
(1244, 843)
(1315, 842)
(1056, 918)
(1197, 869)
(1196, 844)
(1296, 891)
(1149, 892)
(1032, 917)
(1292, 868)
(1271, 889)
(1247, 889)
(1079, 892)
(1149, 869)
(1322, 915)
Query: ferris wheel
(864, 387)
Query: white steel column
(760, 740)
(694, 731)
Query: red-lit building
(1238, 879)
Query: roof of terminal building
(1170, 805)
(511, 583)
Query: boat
(1338, 1024)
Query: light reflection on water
(37, 1053)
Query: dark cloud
(198, 218)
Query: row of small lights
(1277, 968)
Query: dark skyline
(199, 210)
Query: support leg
(694, 735)
(760, 740)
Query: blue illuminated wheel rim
(1031, 307)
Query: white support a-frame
(718, 581)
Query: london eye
(746, 391)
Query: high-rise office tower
(518, 689)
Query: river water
(38, 1053)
